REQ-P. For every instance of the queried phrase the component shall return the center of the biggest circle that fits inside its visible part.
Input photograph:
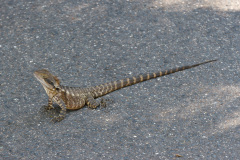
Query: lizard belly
(74, 102)
(73, 105)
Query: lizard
(73, 98)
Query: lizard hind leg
(92, 103)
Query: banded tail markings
(148, 76)
(154, 75)
(160, 73)
(122, 83)
(128, 82)
(115, 85)
(134, 80)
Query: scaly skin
(73, 98)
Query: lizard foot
(103, 102)
(57, 119)
(47, 107)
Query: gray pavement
(192, 114)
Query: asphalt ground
(192, 114)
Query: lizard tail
(106, 88)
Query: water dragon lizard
(73, 98)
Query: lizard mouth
(36, 76)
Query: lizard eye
(48, 81)
(57, 89)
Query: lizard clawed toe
(57, 119)
(47, 107)
(103, 102)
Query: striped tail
(106, 88)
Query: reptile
(73, 98)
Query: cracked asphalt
(193, 114)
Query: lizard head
(49, 81)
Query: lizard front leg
(50, 104)
(62, 113)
